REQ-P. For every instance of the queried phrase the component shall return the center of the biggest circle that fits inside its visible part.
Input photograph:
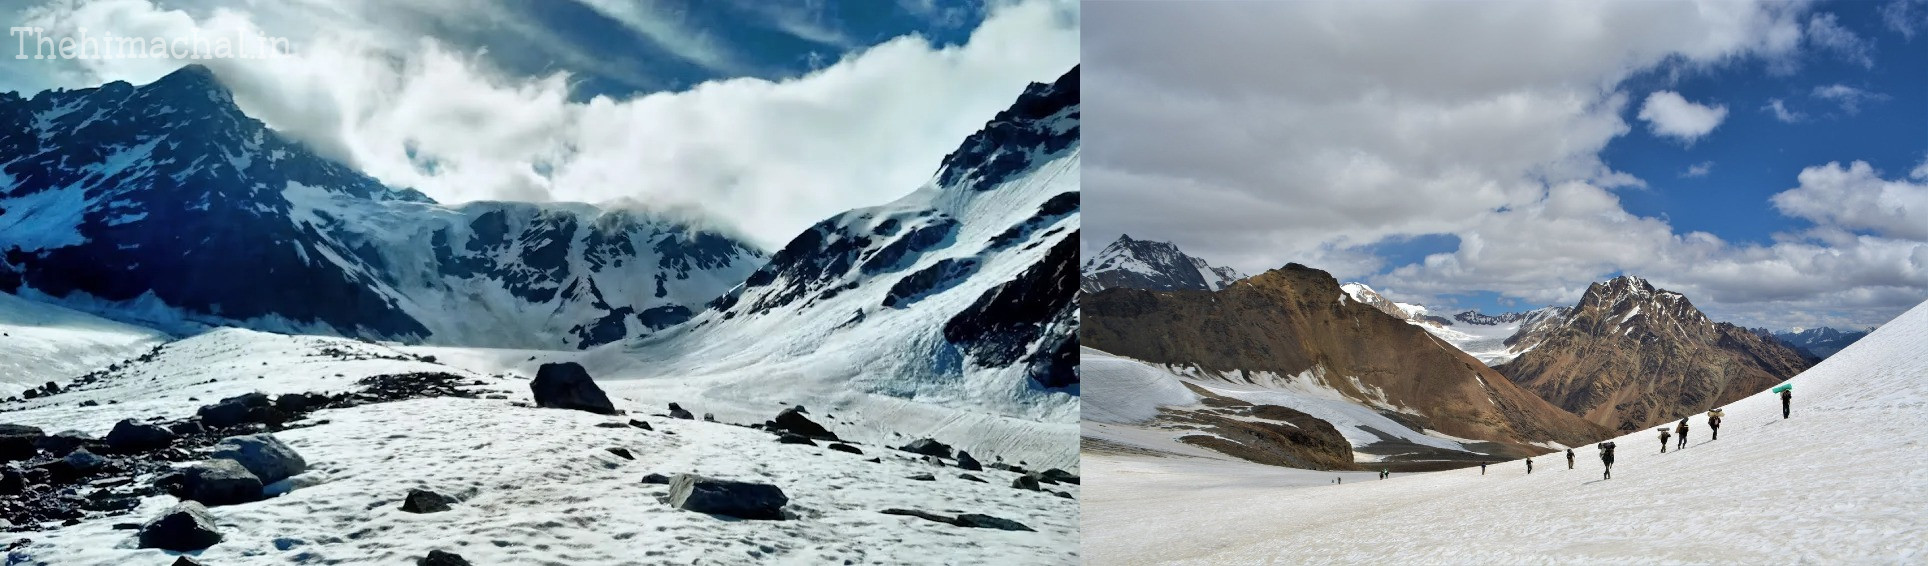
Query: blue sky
(753, 117)
(1760, 157)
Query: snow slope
(1125, 395)
(536, 485)
(1840, 482)
(41, 343)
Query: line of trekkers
(1679, 432)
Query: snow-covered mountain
(1822, 342)
(164, 203)
(1147, 264)
(1630, 355)
(1409, 312)
(960, 294)
(1497, 339)
(41, 343)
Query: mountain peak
(1154, 265)
(1039, 127)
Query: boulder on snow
(300, 402)
(18, 442)
(441, 558)
(966, 462)
(232, 411)
(187, 428)
(130, 436)
(744, 500)
(624, 453)
(968, 477)
(656, 479)
(84, 462)
(841, 447)
(788, 438)
(928, 447)
(186, 527)
(566, 385)
(263, 455)
(220, 482)
(972, 520)
(926, 476)
(425, 501)
(1026, 481)
(1055, 476)
(677, 412)
(791, 420)
(185, 560)
(640, 424)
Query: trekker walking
(1569, 458)
(1482, 468)
(1681, 431)
(1713, 422)
(1606, 458)
(1787, 396)
(1663, 440)
(1529, 465)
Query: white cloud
(769, 157)
(1322, 128)
(1825, 31)
(1670, 115)
(1780, 111)
(1905, 17)
(1850, 98)
(1857, 198)
(671, 30)
(1698, 169)
(1920, 173)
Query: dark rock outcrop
(966, 462)
(791, 420)
(129, 436)
(425, 501)
(677, 412)
(971, 520)
(19, 442)
(185, 527)
(442, 558)
(743, 500)
(567, 385)
(928, 447)
(220, 482)
(841, 447)
(240, 409)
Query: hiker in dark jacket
(1681, 431)
(1713, 422)
(1663, 439)
(1606, 458)
(1529, 465)
(1787, 396)
(1482, 468)
(1569, 458)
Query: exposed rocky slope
(1147, 264)
(1289, 324)
(164, 202)
(1630, 356)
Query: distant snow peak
(1149, 264)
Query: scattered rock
(928, 447)
(744, 500)
(84, 462)
(185, 527)
(220, 482)
(788, 438)
(240, 409)
(300, 402)
(709, 418)
(841, 447)
(1055, 476)
(12, 482)
(90, 403)
(425, 501)
(1007, 467)
(966, 462)
(59, 444)
(263, 455)
(677, 412)
(184, 560)
(657, 479)
(971, 520)
(791, 420)
(129, 436)
(188, 427)
(1026, 481)
(640, 424)
(968, 477)
(1064, 494)
(926, 476)
(566, 385)
(17, 442)
(440, 558)
(611, 425)
(623, 452)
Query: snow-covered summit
(164, 203)
(1147, 264)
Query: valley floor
(1842, 481)
(535, 486)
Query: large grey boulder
(724, 497)
(425, 501)
(17, 442)
(84, 462)
(966, 462)
(220, 482)
(61, 443)
(791, 420)
(928, 447)
(567, 386)
(263, 455)
(185, 527)
(442, 558)
(130, 436)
